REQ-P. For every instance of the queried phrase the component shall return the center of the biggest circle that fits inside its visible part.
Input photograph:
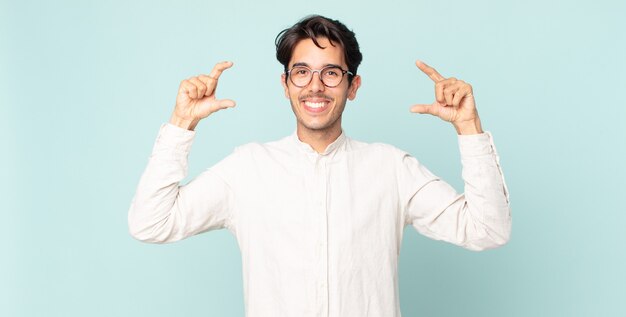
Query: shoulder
(375, 149)
(253, 154)
(252, 148)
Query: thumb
(421, 108)
(223, 104)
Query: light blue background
(84, 87)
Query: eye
(332, 72)
(300, 71)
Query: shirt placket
(321, 211)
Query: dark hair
(313, 27)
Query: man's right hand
(196, 98)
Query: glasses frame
(319, 73)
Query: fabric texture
(320, 233)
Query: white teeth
(314, 104)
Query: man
(318, 216)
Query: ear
(354, 86)
(283, 81)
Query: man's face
(318, 108)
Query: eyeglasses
(331, 76)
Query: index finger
(219, 68)
(431, 72)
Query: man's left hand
(454, 102)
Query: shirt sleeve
(163, 210)
(477, 220)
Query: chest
(348, 204)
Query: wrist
(469, 127)
(184, 123)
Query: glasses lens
(300, 76)
(331, 76)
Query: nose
(316, 82)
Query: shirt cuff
(174, 138)
(476, 144)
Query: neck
(319, 140)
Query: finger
(200, 86)
(189, 89)
(431, 72)
(440, 88)
(464, 91)
(219, 68)
(208, 82)
(215, 74)
(450, 92)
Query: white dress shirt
(320, 234)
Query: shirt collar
(330, 149)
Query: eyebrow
(307, 65)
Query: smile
(315, 106)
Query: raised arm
(480, 218)
(162, 210)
